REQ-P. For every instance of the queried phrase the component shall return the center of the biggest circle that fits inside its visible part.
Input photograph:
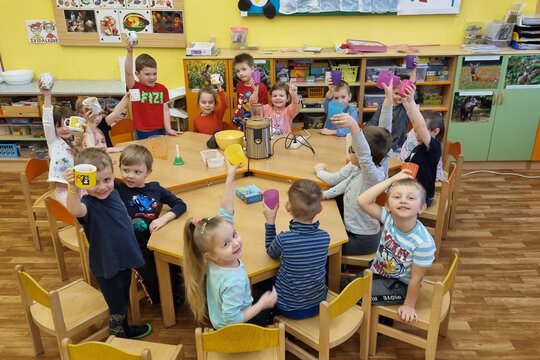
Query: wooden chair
(122, 131)
(433, 308)
(338, 320)
(70, 311)
(66, 237)
(120, 349)
(241, 342)
(136, 293)
(455, 156)
(35, 208)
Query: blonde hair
(411, 183)
(305, 199)
(136, 154)
(80, 139)
(198, 236)
(94, 157)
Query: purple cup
(397, 81)
(403, 87)
(335, 76)
(409, 61)
(271, 198)
(256, 76)
(384, 78)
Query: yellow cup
(158, 146)
(85, 176)
(75, 124)
(235, 154)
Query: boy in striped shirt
(406, 249)
(303, 250)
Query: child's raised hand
(42, 90)
(268, 299)
(129, 46)
(231, 169)
(344, 120)
(407, 313)
(293, 90)
(403, 174)
(389, 89)
(270, 214)
(69, 176)
(319, 167)
(409, 99)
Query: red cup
(412, 167)
(271, 198)
(403, 87)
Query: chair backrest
(35, 167)
(359, 288)
(30, 289)
(450, 277)
(122, 131)
(59, 212)
(455, 154)
(239, 338)
(92, 350)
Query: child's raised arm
(73, 201)
(419, 123)
(128, 66)
(116, 114)
(227, 201)
(47, 94)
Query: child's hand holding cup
(47, 81)
(132, 38)
(85, 176)
(271, 198)
(92, 103)
(411, 167)
(76, 124)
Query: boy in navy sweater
(303, 250)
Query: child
(213, 271)
(143, 202)
(150, 113)
(340, 92)
(59, 141)
(409, 145)
(283, 108)
(400, 119)
(301, 279)
(210, 119)
(370, 153)
(113, 247)
(244, 65)
(429, 130)
(406, 248)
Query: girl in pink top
(284, 105)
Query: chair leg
(60, 260)
(135, 307)
(443, 329)
(363, 333)
(35, 334)
(35, 231)
(374, 323)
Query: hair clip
(195, 221)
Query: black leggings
(116, 291)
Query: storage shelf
(20, 138)
(420, 83)
(321, 110)
(319, 84)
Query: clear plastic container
(373, 100)
(238, 37)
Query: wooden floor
(495, 313)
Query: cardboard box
(249, 193)
(200, 48)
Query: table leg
(165, 290)
(334, 270)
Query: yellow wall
(206, 18)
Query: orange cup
(412, 167)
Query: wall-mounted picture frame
(472, 106)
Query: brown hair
(409, 182)
(94, 157)
(434, 120)
(305, 199)
(343, 85)
(136, 154)
(60, 113)
(379, 140)
(244, 58)
(145, 60)
(207, 90)
(281, 86)
(198, 236)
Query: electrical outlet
(295, 144)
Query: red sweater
(208, 124)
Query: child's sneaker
(138, 331)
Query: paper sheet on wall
(108, 25)
(41, 31)
(427, 7)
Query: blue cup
(335, 107)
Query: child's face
(63, 131)
(147, 76)
(396, 98)
(101, 144)
(243, 71)
(342, 95)
(207, 103)
(352, 157)
(226, 246)
(134, 176)
(104, 184)
(279, 98)
(405, 202)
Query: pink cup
(335, 76)
(256, 76)
(271, 198)
(384, 78)
(403, 87)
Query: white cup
(215, 79)
(132, 38)
(135, 94)
(47, 80)
(92, 103)
(75, 124)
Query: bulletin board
(158, 23)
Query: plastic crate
(212, 158)
(36, 130)
(9, 151)
(373, 100)
(349, 73)
(19, 130)
(315, 92)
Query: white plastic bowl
(18, 77)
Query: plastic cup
(271, 198)
(132, 38)
(403, 87)
(384, 78)
(409, 61)
(85, 176)
(158, 146)
(256, 76)
(92, 103)
(335, 75)
(412, 167)
(334, 108)
(75, 124)
(47, 80)
(235, 154)
(135, 94)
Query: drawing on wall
(200, 72)
(265, 6)
(109, 25)
(480, 72)
(80, 20)
(523, 71)
(472, 106)
(41, 31)
(167, 22)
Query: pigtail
(194, 269)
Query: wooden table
(167, 243)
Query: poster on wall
(80, 20)
(472, 106)
(136, 20)
(480, 72)
(41, 31)
(108, 25)
(428, 7)
(200, 72)
(139, 4)
(168, 22)
(67, 3)
(111, 3)
(161, 4)
(523, 72)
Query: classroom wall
(206, 18)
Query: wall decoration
(80, 20)
(136, 20)
(67, 3)
(86, 4)
(161, 4)
(480, 72)
(427, 7)
(266, 6)
(167, 22)
(112, 4)
(200, 72)
(472, 106)
(41, 31)
(523, 72)
(139, 4)
(108, 25)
